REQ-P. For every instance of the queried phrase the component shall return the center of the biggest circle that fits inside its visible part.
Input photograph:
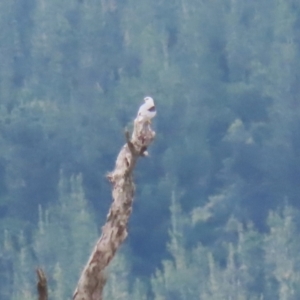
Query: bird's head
(147, 99)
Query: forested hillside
(216, 215)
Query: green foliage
(181, 277)
(225, 78)
(61, 244)
(256, 266)
(117, 286)
(70, 225)
(282, 250)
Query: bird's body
(147, 110)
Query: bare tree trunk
(42, 286)
(114, 232)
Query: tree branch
(42, 287)
(114, 232)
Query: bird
(147, 110)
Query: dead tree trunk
(114, 232)
(42, 286)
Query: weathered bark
(42, 286)
(114, 232)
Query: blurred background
(216, 213)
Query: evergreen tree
(65, 236)
(282, 258)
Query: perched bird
(147, 110)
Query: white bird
(147, 110)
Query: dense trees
(225, 77)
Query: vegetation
(215, 214)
